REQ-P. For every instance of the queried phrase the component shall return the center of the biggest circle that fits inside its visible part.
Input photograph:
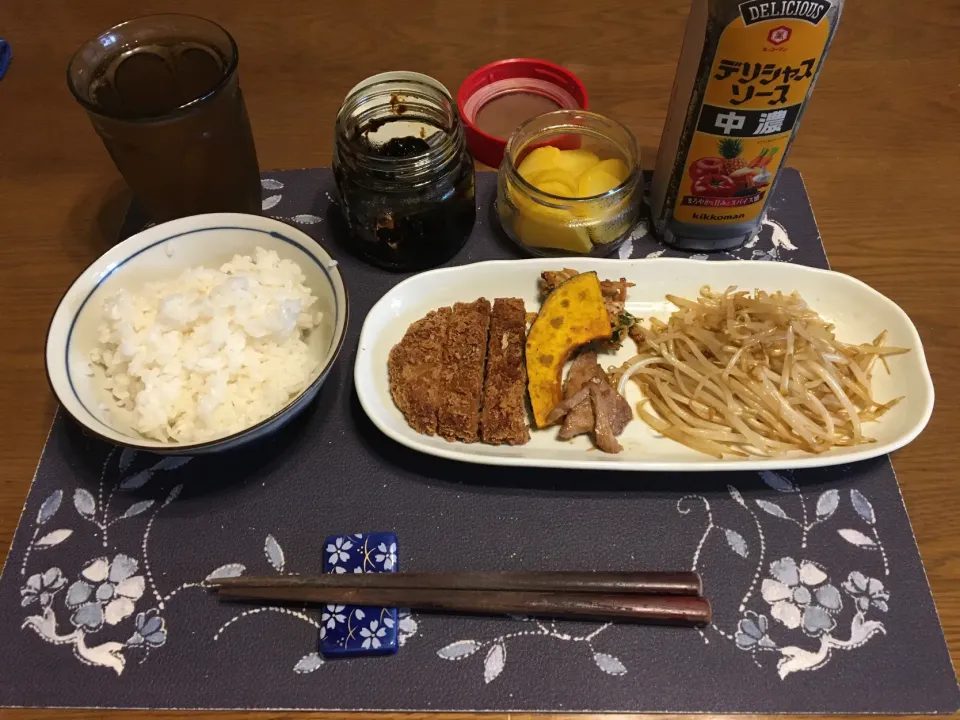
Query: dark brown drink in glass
(164, 95)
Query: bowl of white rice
(198, 335)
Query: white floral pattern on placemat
(805, 605)
(793, 608)
(271, 201)
(495, 658)
(73, 606)
(771, 243)
(108, 590)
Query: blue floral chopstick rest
(352, 630)
(5, 56)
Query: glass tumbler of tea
(163, 93)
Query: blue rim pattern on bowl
(333, 349)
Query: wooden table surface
(878, 150)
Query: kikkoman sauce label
(764, 66)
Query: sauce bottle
(745, 75)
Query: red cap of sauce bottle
(496, 99)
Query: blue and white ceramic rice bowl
(163, 252)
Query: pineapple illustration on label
(730, 150)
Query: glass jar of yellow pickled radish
(571, 183)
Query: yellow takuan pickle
(574, 174)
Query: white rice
(211, 352)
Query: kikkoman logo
(812, 11)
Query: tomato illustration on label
(706, 166)
(713, 185)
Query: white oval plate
(859, 312)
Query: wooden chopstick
(642, 583)
(668, 609)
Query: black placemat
(820, 598)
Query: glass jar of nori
(403, 172)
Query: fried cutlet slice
(461, 373)
(503, 418)
(415, 366)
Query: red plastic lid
(498, 98)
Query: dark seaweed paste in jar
(404, 175)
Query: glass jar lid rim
(561, 127)
(632, 149)
(398, 76)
